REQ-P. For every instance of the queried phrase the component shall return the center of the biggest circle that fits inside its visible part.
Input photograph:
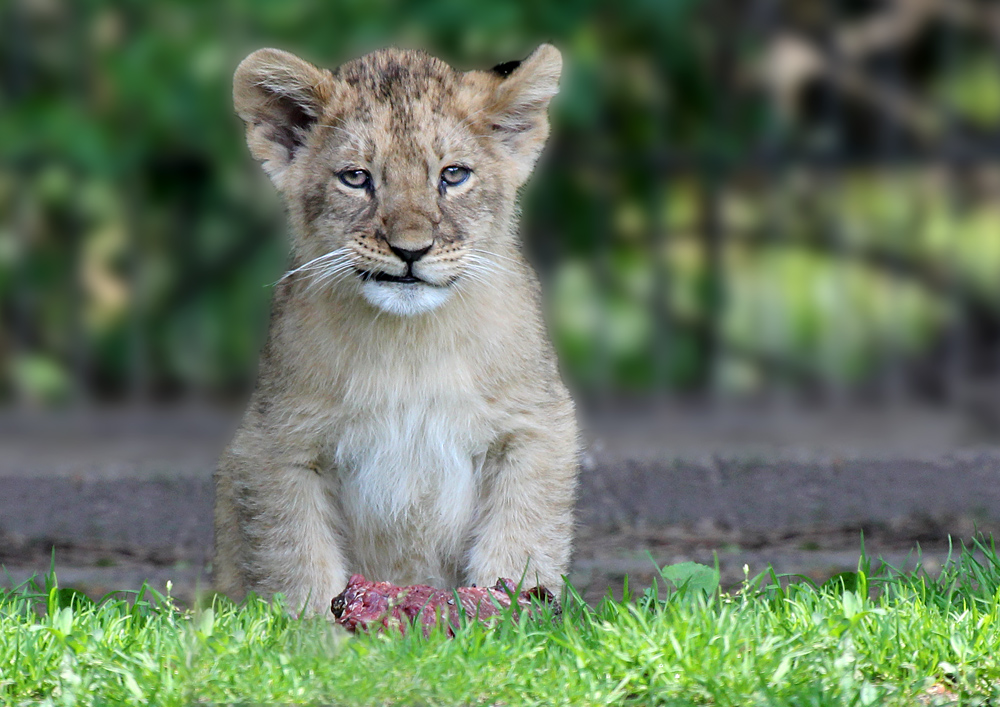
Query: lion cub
(408, 422)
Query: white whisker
(479, 274)
(482, 252)
(332, 275)
(473, 259)
(339, 252)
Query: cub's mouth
(408, 294)
(408, 278)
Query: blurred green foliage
(138, 240)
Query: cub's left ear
(519, 103)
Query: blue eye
(355, 178)
(453, 175)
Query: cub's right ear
(279, 97)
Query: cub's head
(400, 173)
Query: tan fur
(413, 432)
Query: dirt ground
(124, 497)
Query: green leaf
(783, 667)
(207, 623)
(851, 604)
(842, 582)
(63, 621)
(68, 597)
(692, 577)
(133, 687)
(869, 694)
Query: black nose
(409, 256)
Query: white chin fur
(404, 299)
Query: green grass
(870, 637)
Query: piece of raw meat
(377, 606)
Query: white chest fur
(408, 469)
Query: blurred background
(769, 231)
(785, 202)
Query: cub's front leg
(275, 529)
(524, 527)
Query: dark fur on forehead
(397, 73)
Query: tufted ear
(279, 97)
(519, 104)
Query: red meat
(377, 606)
